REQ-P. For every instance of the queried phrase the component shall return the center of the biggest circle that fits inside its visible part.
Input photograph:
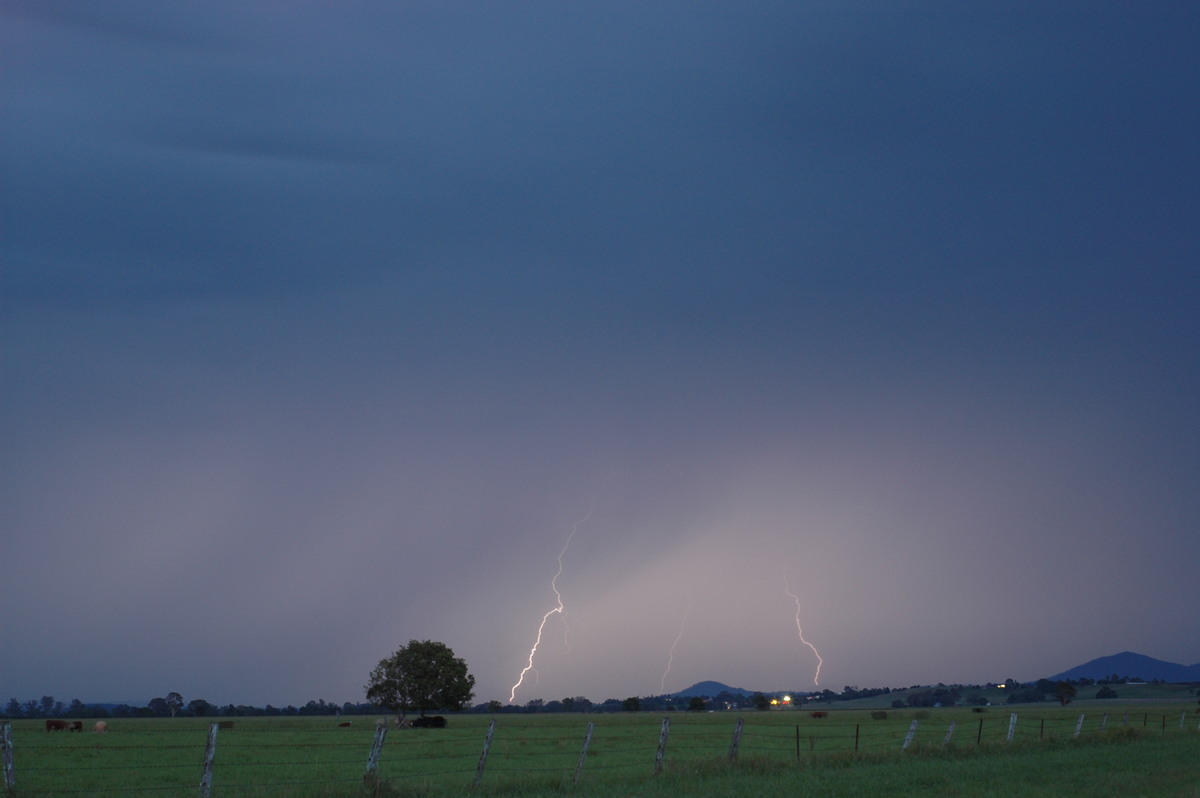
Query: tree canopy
(423, 675)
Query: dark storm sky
(324, 325)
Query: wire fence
(322, 756)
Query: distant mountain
(710, 689)
(1127, 663)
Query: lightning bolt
(800, 631)
(662, 687)
(559, 609)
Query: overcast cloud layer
(330, 326)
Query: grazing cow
(75, 725)
(101, 727)
(820, 714)
(429, 722)
(56, 725)
(224, 725)
(345, 724)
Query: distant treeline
(48, 707)
(172, 705)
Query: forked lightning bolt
(662, 687)
(559, 609)
(800, 631)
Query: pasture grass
(780, 753)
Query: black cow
(429, 722)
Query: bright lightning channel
(800, 631)
(558, 610)
(662, 687)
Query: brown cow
(56, 725)
(429, 722)
(821, 714)
(345, 724)
(75, 725)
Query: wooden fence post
(737, 738)
(487, 744)
(979, 734)
(949, 734)
(587, 739)
(1104, 722)
(10, 779)
(373, 758)
(1012, 726)
(1078, 726)
(662, 746)
(856, 729)
(210, 752)
(1182, 715)
(908, 738)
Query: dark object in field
(878, 714)
(821, 714)
(56, 725)
(345, 724)
(429, 722)
(979, 709)
(75, 725)
(224, 725)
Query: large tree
(424, 675)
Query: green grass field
(780, 752)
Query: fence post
(1104, 722)
(1078, 726)
(587, 739)
(1042, 730)
(856, 727)
(1012, 726)
(373, 758)
(908, 738)
(979, 734)
(1125, 720)
(10, 779)
(662, 746)
(949, 734)
(1182, 715)
(487, 744)
(737, 739)
(210, 751)
(797, 742)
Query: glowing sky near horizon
(320, 327)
